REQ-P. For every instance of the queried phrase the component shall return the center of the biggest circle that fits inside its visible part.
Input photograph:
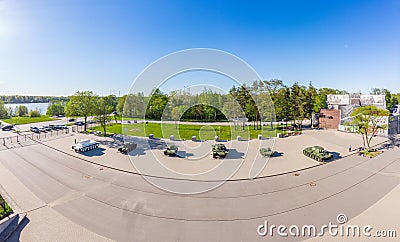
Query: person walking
(349, 148)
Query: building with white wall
(339, 108)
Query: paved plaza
(97, 196)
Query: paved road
(124, 207)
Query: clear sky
(56, 47)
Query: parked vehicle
(79, 123)
(317, 153)
(47, 128)
(61, 126)
(35, 129)
(71, 120)
(85, 145)
(219, 151)
(7, 127)
(42, 130)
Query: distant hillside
(30, 99)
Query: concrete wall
(329, 118)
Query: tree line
(263, 101)
(21, 111)
(30, 99)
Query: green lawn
(28, 120)
(371, 153)
(119, 118)
(7, 211)
(186, 131)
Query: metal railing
(21, 137)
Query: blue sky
(58, 47)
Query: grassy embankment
(28, 120)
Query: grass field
(186, 131)
(28, 120)
(7, 211)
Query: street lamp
(10, 114)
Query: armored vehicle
(171, 150)
(219, 150)
(267, 152)
(85, 145)
(127, 147)
(317, 153)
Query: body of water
(41, 107)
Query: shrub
(5, 209)
(34, 113)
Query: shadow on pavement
(336, 156)
(183, 154)
(277, 154)
(95, 152)
(234, 154)
(16, 235)
(138, 151)
(156, 144)
(110, 144)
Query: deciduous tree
(367, 121)
(81, 104)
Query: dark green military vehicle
(317, 153)
(219, 150)
(171, 150)
(127, 147)
(267, 152)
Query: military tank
(171, 150)
(317, 153)
(267, 152)
(219, 150)
(127, 147)
(85, 145)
